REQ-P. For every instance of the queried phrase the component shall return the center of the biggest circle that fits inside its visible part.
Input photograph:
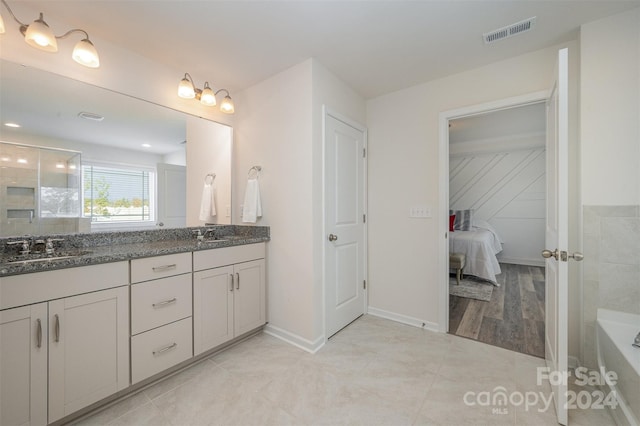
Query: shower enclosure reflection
(39, 190)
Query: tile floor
(374, 372)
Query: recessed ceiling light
(146, 145)
(15, 125)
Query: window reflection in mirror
(119, 131)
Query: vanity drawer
(151, 268)
(161, 348)
(159, 302)
(214, 258)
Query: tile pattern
(611, 267)
(513, 318)
(374, 372)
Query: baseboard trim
(404, 319)
(519, 261)
(294, 339)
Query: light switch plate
(420, 212)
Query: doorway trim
(326, 112)
(443, 185)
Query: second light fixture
(188, 90)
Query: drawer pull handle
(164, 267)
(231, 288)
(237, 281)
(56, 328)
(39, 333)
(166, 348)
(164, 303)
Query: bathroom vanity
(105, 314)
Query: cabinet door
(212, 308)
(88, 349)
(23, 365)
(249, 296)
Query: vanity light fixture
(39, 35)
(188, 90)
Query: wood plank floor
(513, 319)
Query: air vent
(90, 116)
(509, 30)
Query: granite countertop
(95, 248)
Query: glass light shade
(186, 89)
(86, 54)
(207, 97)
(1, 25)
(226, 105)
(39, 35)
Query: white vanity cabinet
(23, 365)
(161, 311)
(88, 349)
(65, 340)
(228, 294)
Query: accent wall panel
(506, 189)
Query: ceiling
(376, 47)
(518, 121)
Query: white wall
(273, 130)
(505, 187)
(280, 129)
(404, 170)
(610, 110)
(208, 150)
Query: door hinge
(364, 218)
(364, 284)
(364, 152)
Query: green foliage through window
(112, 194)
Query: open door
(557, 234)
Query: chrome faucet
(49, 249)
(26, 246)
(636, 341)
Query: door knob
(548, 253)
(577, 256)
(333, 237)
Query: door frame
(443, 185)
(326, 112)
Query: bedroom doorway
(497, 191)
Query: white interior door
(557, 235)
(344, 223)
(172, 195)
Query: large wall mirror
(115, 133)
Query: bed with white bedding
(480, 245)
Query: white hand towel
(252, 208)
(208, 202)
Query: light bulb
(86, 54)
(207, 97)
(186, 89)
(39, 35)
(226, 105)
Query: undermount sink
(215, 240)
(41, 259)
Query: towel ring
(256, 169)
(208, 179)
